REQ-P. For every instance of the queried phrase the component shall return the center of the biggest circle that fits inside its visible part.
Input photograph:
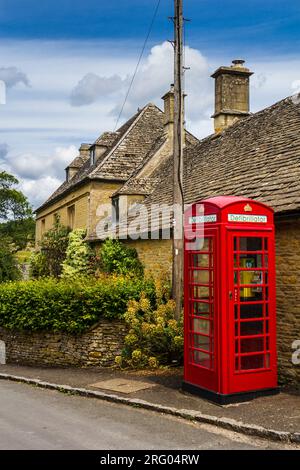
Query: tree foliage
(13, 203)
(48, 261)
(118, 258)
(9, 270)
(20, 232)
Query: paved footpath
(36, 419)
(276, 417)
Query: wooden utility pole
(178, 198)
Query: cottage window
(71, 216)
(116, 210)
(93, 156)
(43, 226)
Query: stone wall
(288, 296)
(96, 348)
(156, 256)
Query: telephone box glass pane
(250, 261)
(200, 309)
(201, 292)
(200, 260)
(201, 326)
(251, 244)
(251, 311)
(205, 244)
(250, 345)
(251, 277)
(251, 294)
(201, 358)
(200, 277)
(252, 328)
(202, 342)
(199, 244)
(252, 362)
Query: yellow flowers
(130, 340)
(153, 363)
(118, 361)
(155, 338)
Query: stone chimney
(169, 112)
(84, 150)
(231, 94)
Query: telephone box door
(201, 333)
(252, 323)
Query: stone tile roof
(79, 161)
(126, 150)
(134, 147)
(145, 186)
(258, 157)
(106, 139)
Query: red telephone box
(230, 306)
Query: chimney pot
(238, 62)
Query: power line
(139, 61)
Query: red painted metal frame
(222, 376)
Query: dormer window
(93, 156)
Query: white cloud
(152, 81)
(12, 76)
(38, 190)
(39, 176)
(92, 87)
(34, 166)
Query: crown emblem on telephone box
(248, 208)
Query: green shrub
(48, 261)
(38, 265)
(80, 258)
(155, 338)
(9, 270)
(120, 259)
(50, 304)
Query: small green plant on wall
(119, 259)
(155, 338)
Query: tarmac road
(36, 419)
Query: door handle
(230, 295)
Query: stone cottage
(101, 169)
(252, 155)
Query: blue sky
(246, 26)
(67, 65)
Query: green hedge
(72, 307)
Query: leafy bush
(38, 266)
(9, 270)
(49, 304)
(155, 338)
(120, 259)
(48, 261)
(80, 258)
